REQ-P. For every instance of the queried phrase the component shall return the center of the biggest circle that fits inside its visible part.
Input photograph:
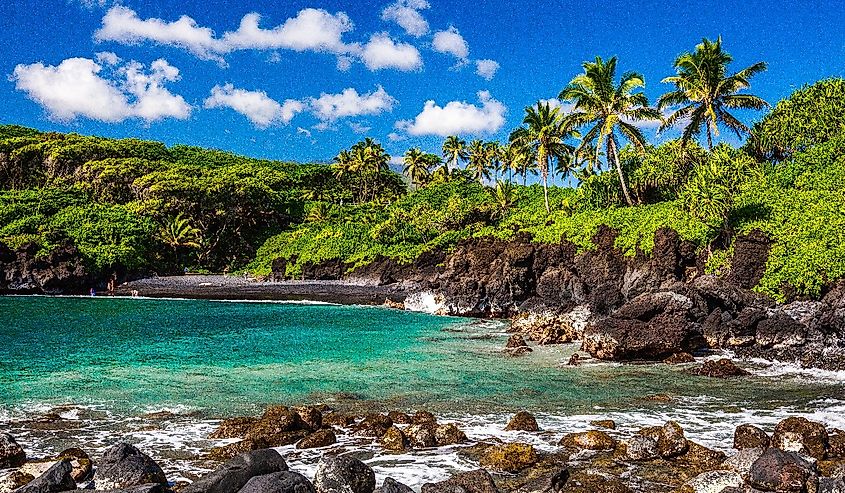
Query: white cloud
(122, 24)
(314, 30)
(303, 131)
(457, 117)
(406, 13)
(330, 107)
(359, 127)
(107, 58)
(311, 30)
(451, 42)
(486, 68)
(382, 52)
(395, 137)
(76, 88)
(259, 108)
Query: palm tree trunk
(709, 138)
(544, 169)
(611, 149)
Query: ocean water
(161, 373)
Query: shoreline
(232, 288)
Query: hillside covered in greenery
(139, 207)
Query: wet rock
(522, 421)
(712, 482)
(449, 434)
(278, 439)
(478, 481)
(723, 368)
(234, 427)
(518, 351)
(588, 440)
(831, 485)
(750, 436)
(742, 461)
(396, 305)
(278, 482)
(679, 358)
(652, 326)
(124, 466)
(671, 441)
(422, 435)
(781, 471)
(516, 341)
(574, 360)
(608, 424)
(14, 480)
(642, 448)
(392, 486)
(836, 444)
(590, 482)
(546, 328)
(79, 461)
(394, 440)
(57, 478)
(231, 450)
(801, 435)
(275, 421)
(320, 438)
(338, 419)
(310, 416)
(344, 474)
(11, 454)
(423, 417)
(699, 458)
(511, 457)
(236, 472)
(399, 418)
(373, 425)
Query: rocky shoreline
(797, 455)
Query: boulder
(394, 440)
(522, 421)
(399, 418)
(448, 434)
(276, 423)
(642, 448)
(831, 485)
(545, 328)
(392, 486)
(511, 457)
(781, 471)
(231, 450)
(343, 474)
(515, 341)
(750, 436)
(234, 427)
(672, 442)
(723, 368)
(80, 462)
(320, 438)
(11, 454)
(712, 482)
(57, 478)
(590, 482)
(278, 482)
(236, 472)
(679, 358)
(742, 461)
(699, 459)
(338, 419)
(588, 440)
(373, 425)
(124, 466)
(652, 326)
(836, 444)
(608, 424)
(422, 435)
(310, 416)
(423, 417)
(797, 434)
(478, 481)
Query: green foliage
(812, 115)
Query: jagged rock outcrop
(62, 271)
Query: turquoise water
(104, 364)
(228, 357)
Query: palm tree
(705, 92)
(493, 150)
(177, 233)
(454, 151)
(544, 131)
(514, 158)
(416, 165)
(479, 164)
(606, 107)
(504, 195)
(318, 212)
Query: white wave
(426, 302)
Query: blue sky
(311, 77)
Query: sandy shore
(239, 288)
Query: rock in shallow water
(797, 434)
(511, 457)
(58, 478)
(750, 436)
(781, 471)
(279, 482)
(124, 466)
(392, 486)
(723, 368)
(712, 482)
(321, 438)
(394, 440)
(344, 474)
(522, 421)
(588, 440)
(478, 481)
